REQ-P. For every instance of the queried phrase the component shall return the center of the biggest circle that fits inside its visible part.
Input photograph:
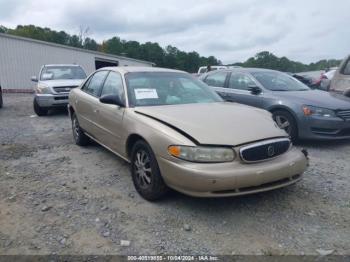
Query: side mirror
(34, 79)
(112, 100)
(255, 90)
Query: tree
(90, 44)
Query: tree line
(170, 56)
(268, 60)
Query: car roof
(245, 70)
(140, 69)
(56, 65)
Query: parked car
(177, 132)
(1, 101)
(53, 86)
(341, 80)
(307, 80)
(300, 111)
(204, 69)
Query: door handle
(96, 111)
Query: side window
(113, 85)
(218, 79)
(240, 82)
(94, 84)
(346, 69)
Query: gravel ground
(58, 198)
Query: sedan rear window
(162, 88)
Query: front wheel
(286, 122)
(40, 111)
(145, 172)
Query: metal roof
(20, 38)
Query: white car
(326, 79)
(341, 80)
(204, 69)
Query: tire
(287, 122)
(347, 93)
(40, 111)
(1, 102)
(145, 172)
(78, 134)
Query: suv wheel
(145, 172)
(78, 134)
(286, 122)
(40, 111)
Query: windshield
(163, 88)
(276, 81)
(62, 72)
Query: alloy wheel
(283, 123)
(142, 167)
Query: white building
(21, 58)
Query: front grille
(264, 150)
(61, 98)
(63, 89)
(345, 132)
(345, 114)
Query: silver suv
(53, 86)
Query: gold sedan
(178, 133)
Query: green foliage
(169, 57)
(268, 60)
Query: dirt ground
(58, 198)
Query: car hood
(63, 82)
(317, 98)
(216, 123)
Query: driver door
(110, 117)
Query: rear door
(87, 102)
(238, 90)
(218, 81)
(110, 117)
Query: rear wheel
(286, 122)
(40, 111)
(145, 172)
(78, 134)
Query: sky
(231, 30)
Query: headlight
(318, 111)
(202, 154)
(43, 89)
